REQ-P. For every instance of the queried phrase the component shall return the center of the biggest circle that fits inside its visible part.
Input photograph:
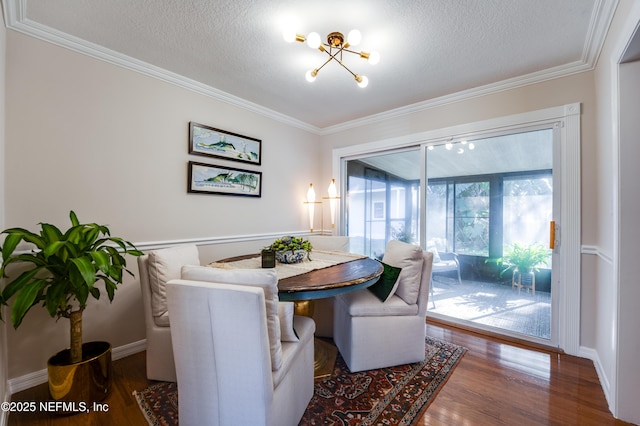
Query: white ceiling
(531, 150)
(234, 49)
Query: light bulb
(289, 35)
(460, 151)
(374, 57)
(362, 80)
(313, 40)
(311, 75)
(472, 146)
(448, 145)
(354, 37)
(289, 25)
(430, 148)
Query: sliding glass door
(487, 200)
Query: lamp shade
(333, 199)
(311, 200)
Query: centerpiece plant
(65, 268)
(290, 249)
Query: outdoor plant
(524, 258)
(65, 268)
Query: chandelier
(335, 46)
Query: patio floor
(491, 304)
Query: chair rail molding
(597, 251)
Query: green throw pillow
(387, 284)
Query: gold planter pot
(84, 382)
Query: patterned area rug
(389, 396)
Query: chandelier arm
(334, 56)
(351, 51)
(345, 67)
(325, 63)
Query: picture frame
(212, 142)
(222, 180)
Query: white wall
(628, 380)
(111, 144)
(616, 338)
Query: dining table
(324, 275)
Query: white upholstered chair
(323, 308)
(338, 243)
(155, 269)
(232, 367)
(371, 333)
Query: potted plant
(65, 268)
(291, 249)
(524, 261)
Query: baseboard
(38, 377)
(592, 354)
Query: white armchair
(231, 366)
(339, 243)
(155, 269)
(371, 333)
(323, 311)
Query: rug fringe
(146, 410)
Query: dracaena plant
(63, 272)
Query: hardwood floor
(504, 383)
(496, 383)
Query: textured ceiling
(429, 49)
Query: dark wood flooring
(496, 383)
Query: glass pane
(472, 218)
(438, 223)
(383, 201)
(484, 196)
(527, 211)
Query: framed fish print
(213, 179)
(212, 142)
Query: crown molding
(521, 81)
(15, 20)
(600, 20)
